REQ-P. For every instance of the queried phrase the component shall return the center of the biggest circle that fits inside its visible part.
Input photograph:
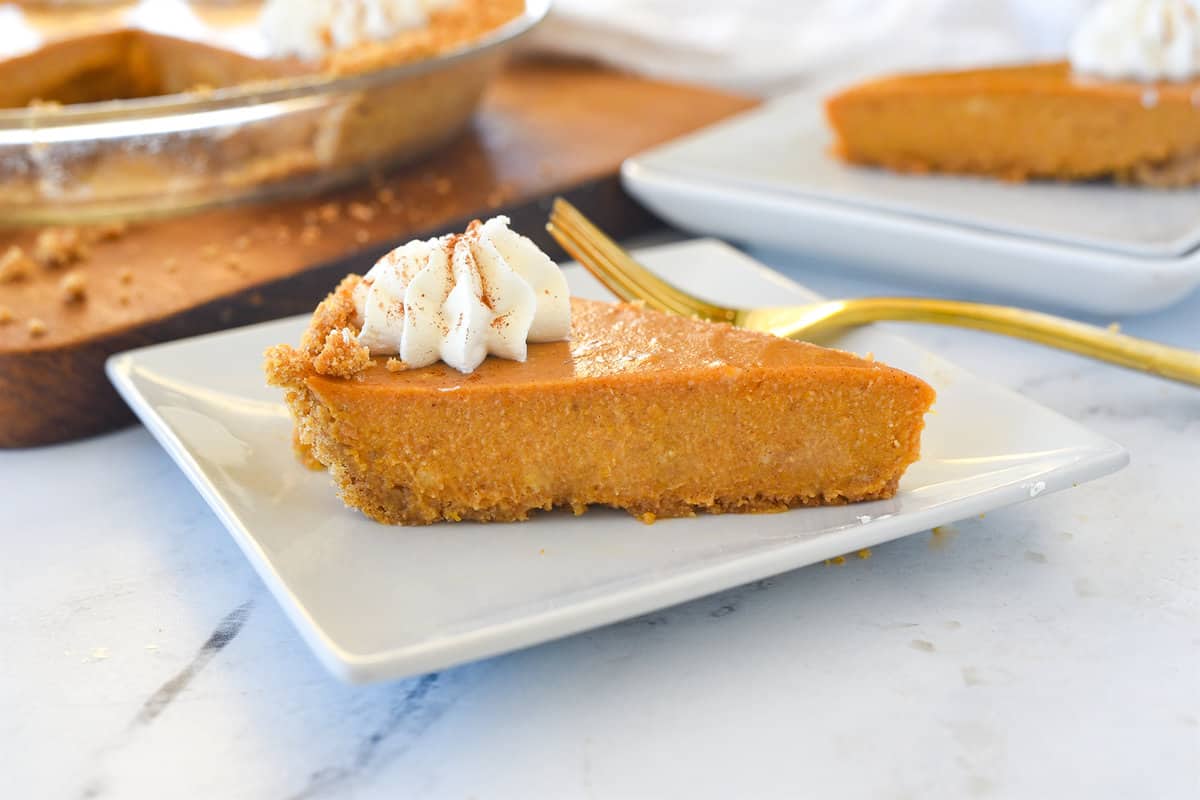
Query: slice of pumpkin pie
(458, 380)
(1124, 106)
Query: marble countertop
(1050, 649)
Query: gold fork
(630, 281)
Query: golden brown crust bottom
(1179, 172)
(1175, 173)
(304, 453)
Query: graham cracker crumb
(497, 197)
(330, 212)
(15, 265)
(342, 356)
(36, 328)
(1175, 173)
(57, 247)
(336, 311)
(125, 276)
(363, 212)
(310, 234)
(6, 315)
(285, 366)
(73, 287)
(394, 365)
(305, 453)
(109, 231)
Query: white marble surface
(1048, 650)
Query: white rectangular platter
(378, 602)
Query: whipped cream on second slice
(311, 29)
(1146, 40)
(460, 298)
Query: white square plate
(378, 602)
(767, 177)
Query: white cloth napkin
(767, 46)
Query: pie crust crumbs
(110, 231)
(15, 265)
(73, 287)
(329, 213)
(304, 453)
(342, 356)
(36, 327)
(57, 247)
(1177, 173)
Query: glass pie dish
(178, 152)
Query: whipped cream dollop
(462, 297)
(1146, 40)
(312, 28)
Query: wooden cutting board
(544, 128)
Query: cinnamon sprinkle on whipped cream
(460, 298)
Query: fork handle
(1104, 344)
